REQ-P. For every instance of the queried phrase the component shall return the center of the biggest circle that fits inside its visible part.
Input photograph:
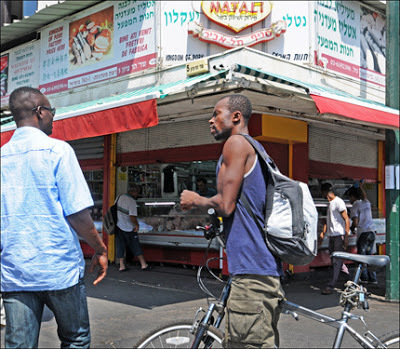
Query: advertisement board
(19, 67)
(194, 29)
(350, 40)
(112, 40)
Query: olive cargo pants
(253, 312)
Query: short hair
(327, 187)
(18, 108)
(202, 179)
(237, 102)
(135, 188)
(353, 191)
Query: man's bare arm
(235, 156)
(83, 224)
(135, 222)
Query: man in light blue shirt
(44, 207)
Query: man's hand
(189, 199)
(100, 260)
(321, 238)
(346, 241)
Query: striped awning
(114, 114)
(332, 101)
(238, 68)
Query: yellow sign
(197, 67)
(236, 15)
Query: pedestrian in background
(253, 305)
(363, 225)
(128, 227)
(44, 207)
(337, 228)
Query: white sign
(23, 68)
(389, 177)
(114, 39)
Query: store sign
(230, 41)
(115, 39)
(236, 15)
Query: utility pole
(392, 151)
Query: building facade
(135, 82)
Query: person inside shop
(128, 227)
(363, 226)
(203, 188)
(337, 228)
(253, 305)
(44, 210)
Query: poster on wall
(373, 46)
(20, 67)
(350, 40)
(4, 74)
(115, 39)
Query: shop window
(94, 180)
(161, 186)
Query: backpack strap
(243, 198)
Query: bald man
(44, 207)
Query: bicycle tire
(176, 335)
(391, 339)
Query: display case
(162, 222)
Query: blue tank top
(245, 246)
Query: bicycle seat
(376, 261)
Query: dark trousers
(365, 245)
(336, 245)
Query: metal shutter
(88, 148)
(341, 148)
(172, 135)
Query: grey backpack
(290, 227)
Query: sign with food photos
(115, 39)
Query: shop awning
(128, 111)
(330, 101)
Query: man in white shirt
(337, 227)
(128, 226)
(361, 216)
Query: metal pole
(392, 151)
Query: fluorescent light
(160, 203)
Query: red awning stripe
(104, 122)
(355, 111)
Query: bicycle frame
(340, 324)
(218, 306)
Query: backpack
(110, 219)
(290, 227)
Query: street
(125, 306)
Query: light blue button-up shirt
(41, 184)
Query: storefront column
(392, 152)
(110, 156)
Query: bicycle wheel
(391, 339)
(177, 335)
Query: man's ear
(237, 116)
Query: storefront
(136, 112)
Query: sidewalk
(127, 305)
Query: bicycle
(204, 332)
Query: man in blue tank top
(252, 309)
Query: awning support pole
(392, 151)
